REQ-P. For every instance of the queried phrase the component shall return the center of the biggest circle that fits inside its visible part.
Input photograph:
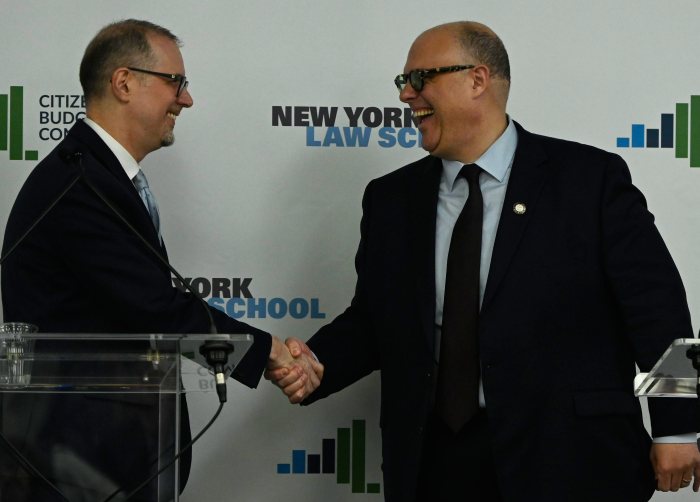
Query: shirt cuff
(690, 437)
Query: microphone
(216, 353)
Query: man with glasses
(507, 367)
(82, 269)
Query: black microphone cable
(166, 466)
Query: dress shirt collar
(495, 161)
(128, 163)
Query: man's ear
(482, 78)
(121, 84)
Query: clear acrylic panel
(96, 414)
(673, 375)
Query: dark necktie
(457, 397)
(141, 184)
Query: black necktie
(457, 397)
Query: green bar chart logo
(679, 132)
(12, 125)
(342, 456)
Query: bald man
(575, 287)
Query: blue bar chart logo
(679, 131)
(342, 457)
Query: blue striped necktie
(141, 184)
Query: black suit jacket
(580, 288)
(82, 270)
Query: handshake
(293, 368)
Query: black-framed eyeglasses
(173, 77)
(417, 77)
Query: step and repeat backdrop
(295, 111)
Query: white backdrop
(243, 198)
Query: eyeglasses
(173, 77)
(417, 77)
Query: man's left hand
(675, 465)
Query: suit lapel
(524, 187)
(90, 141)
(424, 197)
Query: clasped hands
(293, 368)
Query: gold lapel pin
(519, 208)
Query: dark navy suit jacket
(82, 270)
(580, 288)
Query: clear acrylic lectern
(673, 375)
(86, 417)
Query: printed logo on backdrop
(343, 457)
(234, 297)
(350, 126)
(57, 114)
(684, 138)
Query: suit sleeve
(648, 287)
(347, 346)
